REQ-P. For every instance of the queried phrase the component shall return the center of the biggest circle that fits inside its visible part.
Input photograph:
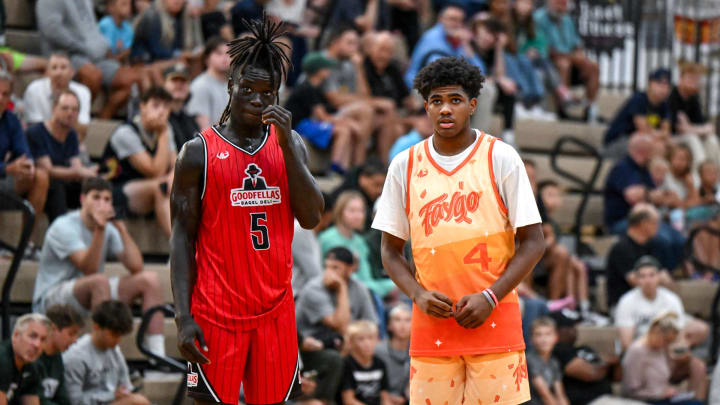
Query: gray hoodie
(71, 26)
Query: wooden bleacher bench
(600, 338)
(533, 136)
(593, 215)
(697, 296)
(580, 166)
(20, 14)
(24, 40)
(24, 285)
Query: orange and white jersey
(459, 214)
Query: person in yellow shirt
(462, 199)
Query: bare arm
(543, 391)
(88, 261)
(130, 257)
(361, 83)
(3, 398)
(530, 251)
(339, 99)
(306, 200)
(76, 171)
(30, 400)
(340, 319)
(585, 371)
(560, 396)
(366, 22)
(185, 203)
(626, 336)
(155, 165)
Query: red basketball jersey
(243, 251)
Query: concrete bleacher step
(581, 167)
(98, 135)
(25, 40)
(600, 338)
(20, 13)
(534, 135)
(24, 285)
(697, 296)
(593, 215)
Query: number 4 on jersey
(259, 231)
(483, 259)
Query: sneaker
(539, 114)
(522, 113)
(595, 319)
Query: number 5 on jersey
(259, 231)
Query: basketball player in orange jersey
(238, 187)
(462, 198)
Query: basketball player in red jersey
(237, 188)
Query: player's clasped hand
(472, 310)
(188, 332)
(435, 304)
(280, 118)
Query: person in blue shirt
(166, 31)
(55, 147)
(449, 37)
(629, 183)
(566, 51)
(18, 174)
(117, 28)
(645, 112)
(422, 128)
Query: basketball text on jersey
(255, 191)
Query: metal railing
(11, 202)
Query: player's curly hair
(259, 48)
(449, 71)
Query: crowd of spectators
(161, 67)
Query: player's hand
(189, 332)
(472, 310)
(434, 304)
(281, 119)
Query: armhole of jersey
(407, 181)
(500, 202)
(205, 167)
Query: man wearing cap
(177, 83)
(639, 306)
(587, 374)
(312, 118)
(646, 112)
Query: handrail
(586, 186)
(9, 201)
(173, 364)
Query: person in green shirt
(349, 213)
(20, 377)
(67, 323)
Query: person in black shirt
(177, 83)
(643, 224)
(313, 119)
(20, 376)
(55, 147)
(645, 112)
(367, 179)
(687, 118)
(365, 376)
(383, 74)
(64, 331)
(586, 375)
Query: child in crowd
(117, 28)
(365, 376)
(709, 175)
(546, 377)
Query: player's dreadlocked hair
(259, 48)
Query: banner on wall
(603, 24)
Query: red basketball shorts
(263, 360)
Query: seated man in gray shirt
(73, 257)
(329, 302)
(140, 158)
(95, 369)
